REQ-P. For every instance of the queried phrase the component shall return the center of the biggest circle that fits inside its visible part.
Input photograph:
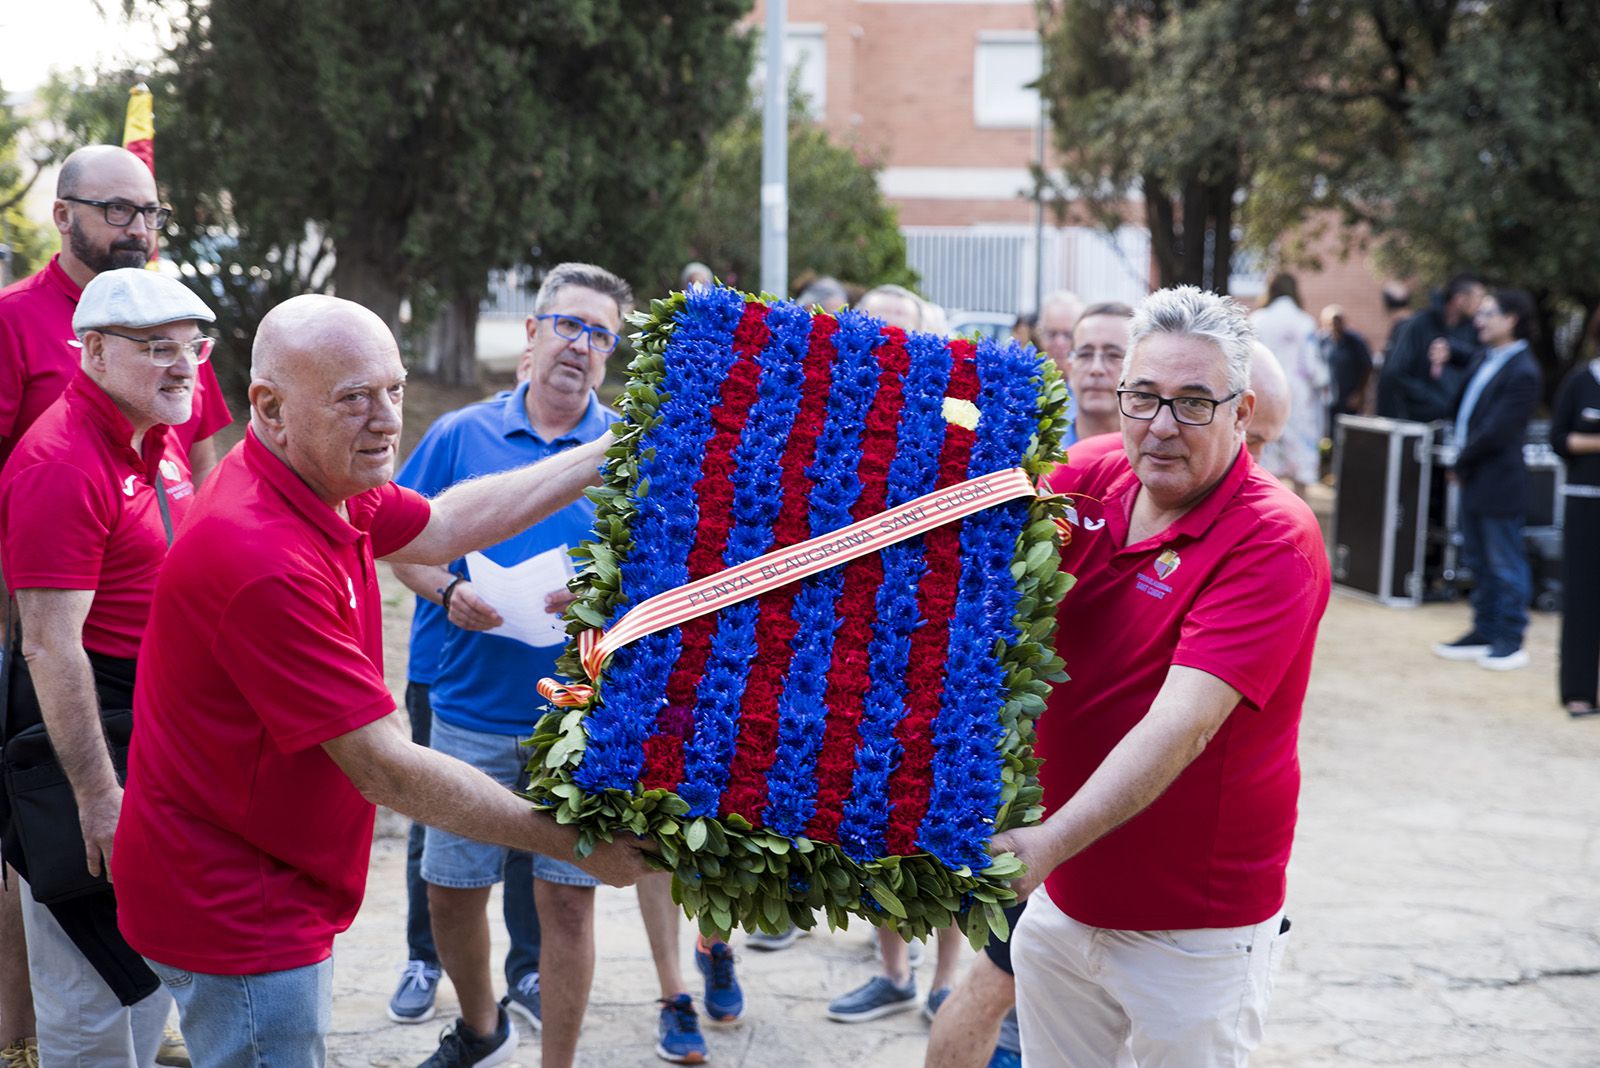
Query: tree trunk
(1196, 218)
(1221, 266)
(452, 355)
(1158, 217)
(362, 277)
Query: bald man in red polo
(266, 730)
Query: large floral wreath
(849, 742)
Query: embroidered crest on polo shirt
(170, 472)
(348, 581)
(1155, 585)
(127, 485)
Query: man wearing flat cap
(89, 501)
(109, 216)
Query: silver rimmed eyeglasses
(164, 352)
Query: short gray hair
(585, 276)
(889, 289)
(1192, 312)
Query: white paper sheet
(518, 594)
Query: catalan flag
(139, 137)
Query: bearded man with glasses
(1170, 768)
(88, 504)
(109, 217)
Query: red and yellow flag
(139, 137)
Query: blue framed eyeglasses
(572, 328)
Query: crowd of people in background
(266, 731)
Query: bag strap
(8, 647)
(161, 500)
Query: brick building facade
(936, 92)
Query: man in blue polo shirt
(413, 1000)
(503, 634)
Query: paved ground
(1443, 890)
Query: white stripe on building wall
(955, 183)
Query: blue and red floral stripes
(663, 531)
(860, 705)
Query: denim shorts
(458, 863)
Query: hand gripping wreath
(813, 630)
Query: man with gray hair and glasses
(1170, 768)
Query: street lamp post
(775, 160)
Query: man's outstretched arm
(1186, 714)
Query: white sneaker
(1517, 658)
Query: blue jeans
(241, 1021)
(522, 919)
(1502, 583)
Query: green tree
(1230, 119)
(839, 222)
(430, 143)
(27, 244)
(1503, 159)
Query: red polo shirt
(242, 847)
(78, 511)
(1236, 589)
(37, 361)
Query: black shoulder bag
(44, 840)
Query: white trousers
(1088, 997)
(81, 1023)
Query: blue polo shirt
(428, 622)
(484, 682)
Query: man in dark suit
(1491, 423)
(1419, 376)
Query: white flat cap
(134, 297)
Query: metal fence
(510, 295)
(1006, 268)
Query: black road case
(1384, 473)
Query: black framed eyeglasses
(572, 328)
(1190, 411)
(121, 213)
(1109, 353)
(164, 352)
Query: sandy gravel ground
(1443, 889)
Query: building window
(805, 59)
(1006, 66)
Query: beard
(124, 252)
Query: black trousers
(1580, 599)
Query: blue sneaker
(678, 1037)
(875, 998)
(724, 1000)
(1005, 1058)
(935, 999)
(413, 998)
(523, 999)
